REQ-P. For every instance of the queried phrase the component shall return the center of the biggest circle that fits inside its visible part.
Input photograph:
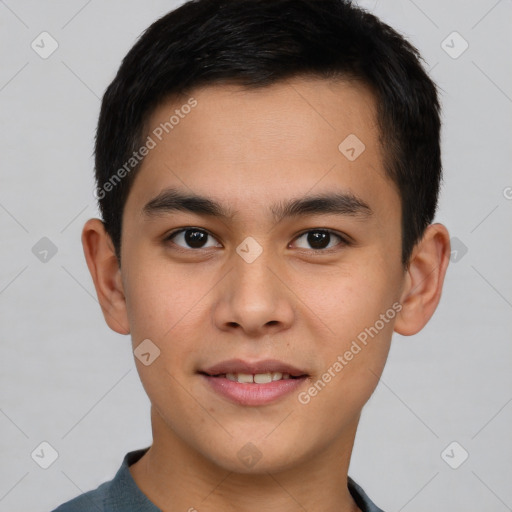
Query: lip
(252, 394)
(241, 366)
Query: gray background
(68, 380)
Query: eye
(191, 238)
(320, 239)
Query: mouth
(253, 384)
(256, 378)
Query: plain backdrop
(69, 381)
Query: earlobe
(104, 268)
(424, 280)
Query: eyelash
(343, 241)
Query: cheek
(163, 305)
(360, 314)
(360, 310)
(347, 300)
(161, 298)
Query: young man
(267, 172)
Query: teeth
(259, 378)
(245, 377)
(263, 378)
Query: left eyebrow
(337, 203)
(340, 203)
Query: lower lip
(250, 393)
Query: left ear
(424, 280)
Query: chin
(255, 457)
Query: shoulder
(361, 498)
(91, 500)
(120, 494)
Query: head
(255, 121)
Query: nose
(254, 299)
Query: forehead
(249, 147)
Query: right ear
(106, 274)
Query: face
(288, 261)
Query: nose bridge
(253, 297)
(253, 281)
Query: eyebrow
(337, 203)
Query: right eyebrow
(171, 199)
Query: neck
(177, 478)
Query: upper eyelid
(188, 228)
(326, 230)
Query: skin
(249, 149)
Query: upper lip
(265, 366)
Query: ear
(424, 280)
(106, 274)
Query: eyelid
(186, 228)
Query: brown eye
(320, 239)
(192, 238)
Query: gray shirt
(122, 494)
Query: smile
(253, 384)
